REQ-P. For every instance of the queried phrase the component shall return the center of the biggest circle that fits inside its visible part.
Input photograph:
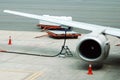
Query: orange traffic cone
(10, 41)
(90, 70)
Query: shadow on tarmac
(113, 60)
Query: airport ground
(30, 67)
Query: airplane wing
(74, 24)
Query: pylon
(10, 41)
(90, 70)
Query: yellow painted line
(33, 76)
(20, 71)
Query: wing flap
(113, 31)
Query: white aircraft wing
(74, 24)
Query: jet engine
(93, 47)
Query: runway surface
(29, 67)
(23, 31)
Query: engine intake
(90, 49)
(93, 48)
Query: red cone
(90, 70)
(10, 41)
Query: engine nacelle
(93, 47)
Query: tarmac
(15, 65)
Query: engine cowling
(93, 47)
